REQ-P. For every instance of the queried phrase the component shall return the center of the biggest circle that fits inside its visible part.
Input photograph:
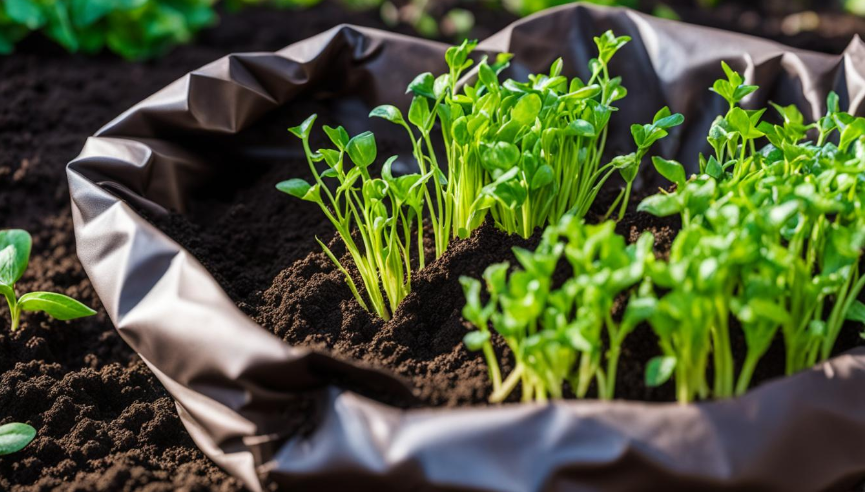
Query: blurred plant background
(142, 29)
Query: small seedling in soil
(382, 210)
(556, 335)
(522, 153)
(772, 237)
(14, 436)
(14, 256)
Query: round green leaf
(659, 370)
(526, 109)
(362, 149)
(14, 436)
(661, 205)
(388, 112)
(581, 128)
(475, 340)
(14, 255)
(671, 170)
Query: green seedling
(383, 211)
(771, 237)
(523, 154)
(14, 256)
(556, 334)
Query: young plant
(786, 226)
(382, 210)
(557, 334)
(14, 256)
(524, 153)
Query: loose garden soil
(104, 421)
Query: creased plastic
(232, 379)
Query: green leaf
(713, 168)
(665, 119)
(57, 306)
(740, 120)
(388, 112)
(856, 312)
(476, 340)
(362, 149)
(671, 170)
(26, 12)
(526, 109)
(581, 128)
(338, 136)
(488, 77)
(638, 310)
(659, 370)
(300, 188)
(14, 254)
(423, 85)
(295, 187)
(501, 155)
(542, 177)
(419, 113)
(661, 205)
(302, 131)
(14, 436)
(441, 83)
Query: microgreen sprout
(521, 153)
(770, 237)
(14, 255)
(525, 153)
(382, 210)
(556, 334)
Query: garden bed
(208, 183)
(105, 422)
(288, 285)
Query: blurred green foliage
(134, 29)
(141, 29)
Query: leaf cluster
(134, 29)
(771, 237)
(522, 154)
(383, 210)
(565, 334)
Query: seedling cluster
(14, 256)
(556, 334)
(523, 154)
(772, 237)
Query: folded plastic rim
(233, 379)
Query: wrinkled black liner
(232, 379)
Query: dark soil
(104, 421)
